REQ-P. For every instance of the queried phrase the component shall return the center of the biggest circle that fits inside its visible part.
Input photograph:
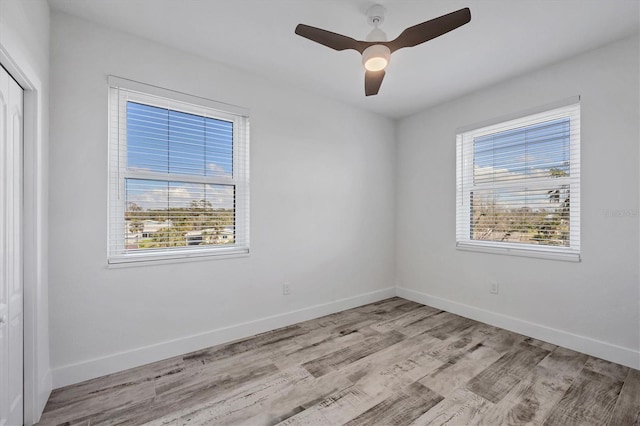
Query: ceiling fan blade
(372, 82)
(431, 29)
(327, 38)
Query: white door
(11, 328)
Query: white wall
(592, 306)
(24, 52)
(322, 211)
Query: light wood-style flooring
(393, 362)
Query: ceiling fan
(376, 50)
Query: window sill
(511, 250)
(150, 259)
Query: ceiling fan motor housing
(377, 34)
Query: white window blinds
(179, 176)
(518, 186)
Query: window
(518, 185)
(178, 175)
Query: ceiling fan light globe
(376, 57)
(375, 64)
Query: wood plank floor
(393, 362)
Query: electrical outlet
(286, 289)
(495, 288)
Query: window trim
(464, 165)
(118, 173)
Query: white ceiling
(505, 38)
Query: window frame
(569, 108)
(119, 172)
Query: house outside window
(518, 185)
(178, 175)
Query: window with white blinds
(178, 173)
(518, 186)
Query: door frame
(37, 384)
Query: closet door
(11, 282)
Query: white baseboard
(613, 353)
(86, 370)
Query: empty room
(320, 212)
